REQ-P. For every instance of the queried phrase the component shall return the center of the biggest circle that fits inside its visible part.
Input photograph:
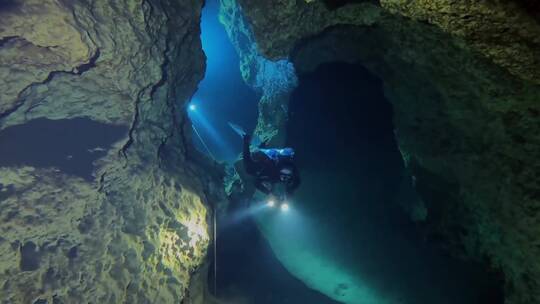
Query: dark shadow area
(334, 4)
(30, 257)
(71, 145)
(6, 191)
(9, 5)
(247, 265)
(341, 127)
(532, 7)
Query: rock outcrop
(465, 94)
(134, 227)
(272, 80)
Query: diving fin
(239, 130)
(256, 141)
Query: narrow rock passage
(222, 96)
(248, 271)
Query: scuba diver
(269, 166)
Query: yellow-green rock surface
(137, 229)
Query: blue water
(222, 96)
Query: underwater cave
(393, 156)
(356, 228)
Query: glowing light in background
(271, 203)
(201, 122)
(284, 207)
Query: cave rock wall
(135, 226)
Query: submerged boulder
(100, 84)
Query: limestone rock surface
(138, 227)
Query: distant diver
(269, 166)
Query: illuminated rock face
(102, 198)
(466, 113)
(273, 80)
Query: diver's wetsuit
(267, 171)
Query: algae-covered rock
(134, 227)
(37, 38)
(507, 32)
(464, 91)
